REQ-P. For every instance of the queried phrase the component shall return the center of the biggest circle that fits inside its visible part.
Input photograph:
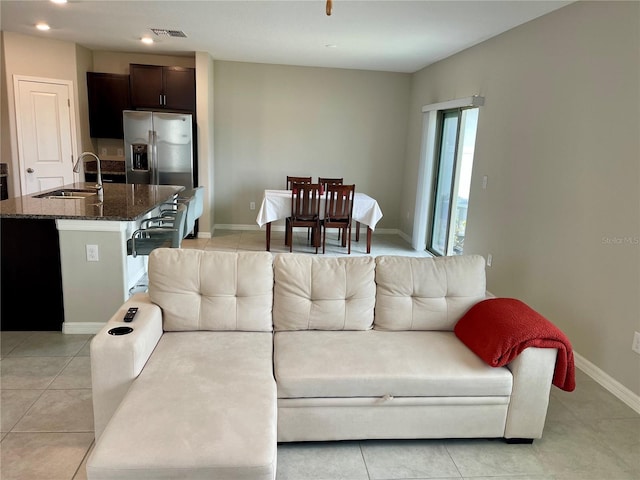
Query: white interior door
(45, 133)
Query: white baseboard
(82, 327)
(616, 388)
(404, 236)
(236, 226)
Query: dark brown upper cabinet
(108, 96)
(157, 87)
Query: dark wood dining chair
(292, 180)
(324, 181)
(305, 211)
(338, 212)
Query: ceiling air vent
(168, 33)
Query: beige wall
(558, 140)
(84, 64)
(204, 112)
(272, 121)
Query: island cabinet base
(31, 284)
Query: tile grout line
(364, 460)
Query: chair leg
(290, 236)
(324, 238)
(286, 232)
(348, 233)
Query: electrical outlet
(489, 260)
(636, 342)
(120, 152)
(92, 253)
(252, 205)
(103, 152)
(485, 180)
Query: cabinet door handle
(161, 99)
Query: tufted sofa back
(206, 290)
(255, 291)
(415, 293)
(323, 293)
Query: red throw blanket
(498, 329)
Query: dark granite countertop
(122, 202)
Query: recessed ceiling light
(331, 45)
(59, 1)
(43, 26)
(147, 40)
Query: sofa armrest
(532, 376)
(116, 360)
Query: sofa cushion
(207, 290)
(377, 363)
(425, 293)
(312, 293)
(202, 408)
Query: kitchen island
(68, 257)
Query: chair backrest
(179, 226)
(325, 182)
(194, 209)
(161, 232)
(305, 201)
(339, 202)
(292, 180)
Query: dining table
(276, 205)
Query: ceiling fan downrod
(329, 5)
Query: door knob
(30, 170)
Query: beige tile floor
(47, 426)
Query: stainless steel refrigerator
(159, 148)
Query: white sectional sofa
(232, 353)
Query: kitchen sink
(67, 193)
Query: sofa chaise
(231, 353)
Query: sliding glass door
(457, 135)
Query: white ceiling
(395, 35)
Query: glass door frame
(453, 172)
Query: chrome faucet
(76, 169)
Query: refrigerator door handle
(156, 172)
(152, 158)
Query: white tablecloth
(276, 205)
